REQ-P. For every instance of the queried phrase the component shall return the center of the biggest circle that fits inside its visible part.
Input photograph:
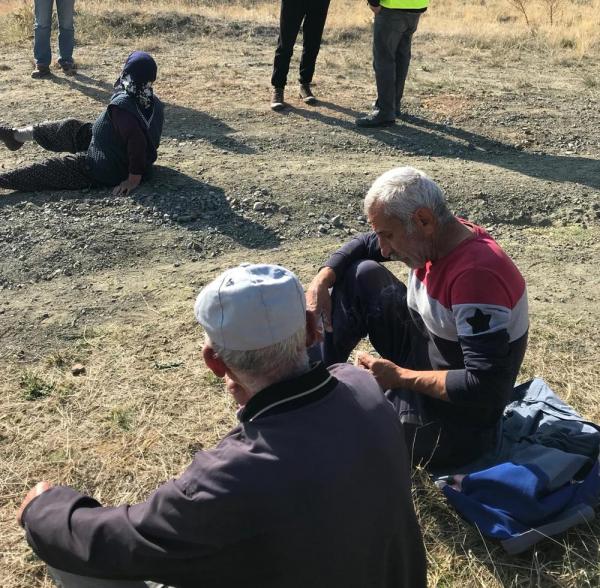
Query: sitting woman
(116, 150)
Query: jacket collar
(289, 394)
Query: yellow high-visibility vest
(404, 4)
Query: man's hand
(375, 9)
(127, 186)
(318, 299)
(38, 489)
(387, 373)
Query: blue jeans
(43, 24)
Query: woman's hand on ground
(127, 186)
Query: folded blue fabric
(543, 477)
(509, 499)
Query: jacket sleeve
(74, 533)
(153, 539)
(482, 317)
(129, 130)
(364, 246)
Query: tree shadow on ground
(172, 198)
(180, 122)
(423, 136)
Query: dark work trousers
(392, 38)
(69, 172)
(311, 15)
(370, 301)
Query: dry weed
(570, 26)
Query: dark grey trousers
(392, 38)
(69, 172)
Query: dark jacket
(107, 154)
(311, 489)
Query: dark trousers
(370, 301)
(392, 38)
(311, 15)
(70, 172)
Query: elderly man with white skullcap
(311, 488)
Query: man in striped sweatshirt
(451, 340)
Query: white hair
(277, 361)
(403, 190)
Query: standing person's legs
(312, 32)
(67, 580)
(385, 42)
(290, 19)
(66, 30)
(41, 32)
(403, 55)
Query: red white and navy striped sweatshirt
(472, 306)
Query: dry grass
(483, 24)
(146, 404)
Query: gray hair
(403, 190)
(284, 358)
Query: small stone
(336, 221)
(78, 369)
(258, 205)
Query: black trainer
(306, 94)
(277, 100)
(7, 136)
(375, 120)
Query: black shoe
(375, 106)
(375, 120)
(41, 71)
(277, 100)
(306, 94)
(7, 136)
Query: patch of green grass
(58, 359)
(34, 386)
(212, 380)
(122, 417)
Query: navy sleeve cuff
(456, 386)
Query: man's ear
(425, 221)
(213, 361)
(312, 330)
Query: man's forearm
(430, 383)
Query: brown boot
(69, 68)
(41, 71)
(277, 100)
(306, 94)
(7, 136)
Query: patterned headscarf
(136, 79)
